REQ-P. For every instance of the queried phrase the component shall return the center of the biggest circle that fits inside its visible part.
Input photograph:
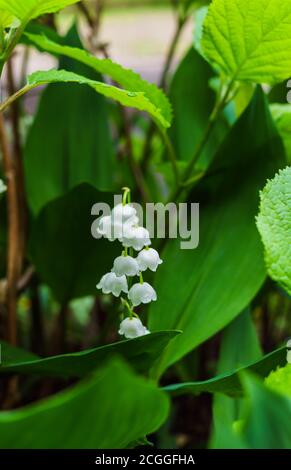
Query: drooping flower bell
(132, 328)
(136, 237)
(125, 265)
(112, 284)
(148, 259)
(142, 293)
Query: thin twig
(180, 23)
(18, 160)
(134, 166)
(13, 260)
(25, 279)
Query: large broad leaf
(11, 354)
(249, 40)
(133, 99)
(26, 10)
(193, 101)
(64, 252)
(267, 417)
(218, 279)
(114, 400)
(230, 383)
(6, 19)
(274, 224)
(153, 98)
(141, 353)
(282, 116)
(78, 146)
(265, 422)
(240, 346)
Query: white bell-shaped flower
(112, 284)
(148, 259)
(105, 227)
(132, 328)
(114, 228)
(136, 237)
(123, 213)
(125, 265)
(141, 293)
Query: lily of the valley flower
(125, 265)
(124, 213)
(141, 293)
(136, 237)
(123, 224)
(132, 328)
(112, 284)
(148, 259)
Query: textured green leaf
(79, 146)
(129, 80)
(282, 116)
(239, 347)
(218, 279)
(230, 383)
(26, 10)
(114, 399)
(249, 40)
(64, 252)
(141, 353)
(274, 224)
(6, 19)
(137, 100)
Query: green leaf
(193, 101)
(79, 146)
(268, 415)
(11, 354)
(6, 19)
(249, 40)
(141, 353)
(239, 347)
(64, 252)
(113, 399)
(26, 10)
(218, 279)
(137, 100)
(282, 116)
(274, 224)
(230, 383)
(279, 380)
(148, 96)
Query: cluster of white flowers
(123, 225)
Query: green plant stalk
(218, 108)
